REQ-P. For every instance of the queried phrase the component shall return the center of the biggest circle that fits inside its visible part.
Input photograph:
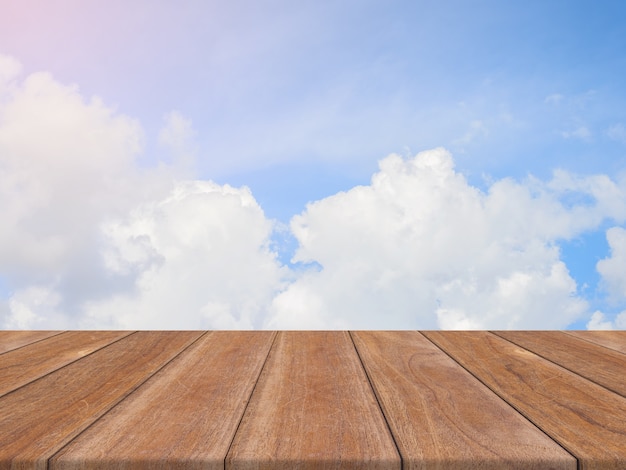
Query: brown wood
(10, 340)
(577, 355)
(471, 400)
(41, 417)
(443, 417)
(585, 418)
(609, 339)
(21, 366)
(184, 417)
(313, 408)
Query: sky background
(312, 164)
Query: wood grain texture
(583, 417)
(41, 417)
(609, 339)
(444, 418)
(10, 340)
(184, 417)
(176, 399)
(21, 366)
(577, 355)
(313, 408)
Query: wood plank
(585, 418)
(21, 366)
(577, 355)
(613, 339)
(313, 408)
(430, 403)
(10, 340)
(41, 417)
(184, 417)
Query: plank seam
(261, 369)
(376, 396)
(590, 341)
(66, 365)
(122, 398)
(578, 461)
(561, 366)
(34, 342)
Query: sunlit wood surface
(313, 399)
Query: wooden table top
(313, 399)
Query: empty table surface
(313, 399)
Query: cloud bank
(199, 258)
(422, 248)
(92, 239)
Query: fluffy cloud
(64, 164)
(614, 279)
(612, 268)
(422, 248)
(599, 321)
(91, 239)
(203, 259)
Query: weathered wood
(577, 355)
(583, 417)
(41, 417)
(184, 417)
(313, 408)
(21, 366)
(10, 340)
(443, 417)
(175, 399)
(609, 339)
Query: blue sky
(269, 125)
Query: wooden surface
(17, 339)
(304, 400)
(576, 355)
(585, 418)
(313, 407)
(27, 364)
(211, 381)
(609, 339)
(440, 413)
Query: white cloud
(612, 268)
(588, 200)
(64, 164)
(68, 170)
(90, 239)
(421, 248)
(202, 260)
(599, 321)
(33, 308)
